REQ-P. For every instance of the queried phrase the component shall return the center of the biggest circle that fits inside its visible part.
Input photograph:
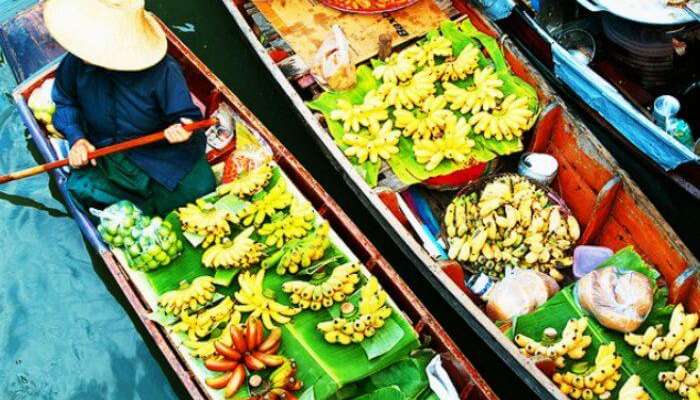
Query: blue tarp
(497, 9)
(611, 105)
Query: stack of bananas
(599, 381)
(294, 225)
(276, 199)
(241, 252)
(410, 93)
(511, 223)
(189, 296)
(425, 54)
(377, 143)
(461, 67)
(248, 183)
(205, 348)
(453, 145)
(370, 113)
(300, 253)
(633, 390)
(205, 220)
(507, 122)
(681, 380)
(481, 96)
(573, 343)
(396, 68)
(204, 322)
(333, 290)
(682, 332)
(373, 311)
(252, 299)
(426, 124)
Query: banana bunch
(453, 145)
(206, 220)
(241, 252)
(373, 311)
(681, 380)
(369, 114)
(599, 381)
(461, 67)
(425, 53)
(283, 383)
(255, 213)
(682, 332)
(428, 123)
(481, 96)
(201, 324)
(248, 183)
(300, 253)
(252, 299)
(395, 68)
(408, 94)
(333, 290)
(378, 143)
(508, 121)
(632, 390)
(294, 225)
(510, 224)
(573, 343)
(189, 296)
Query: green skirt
(117, 178)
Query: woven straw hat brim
(114, 34)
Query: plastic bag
(148, 243)
(619, 299)
(332, 66)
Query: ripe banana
(598, 382)
(461, 67)
(508, 121)
(190, 296)
(682, 332)
(572, 344)
(300, 253)
(248, 183)
(369, 114)
(241, 252)
(205, 220)
(510, 224)
(252, 299)
(408, 94)
(481, 96)
(453, 145)
(424, 54)
(257, 211)
(372, 315)
(201, 324)
(294, 225)
(427, 123)
(335, 289)
(378, 143)
(205, 348)
(633, 390)
(395, 68)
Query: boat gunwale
(426, 265)
(423, 321)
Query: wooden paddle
(101, 152)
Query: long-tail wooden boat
(613, 212)
(210, 91)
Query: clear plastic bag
(147, 243)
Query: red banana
(226, 351)
(272, 339)
(239, 343)
(236, 381)
(220, 365)
(253, 363)
(219, 382)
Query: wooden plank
(601, 210)
(577, 195)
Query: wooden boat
(610, 207)
(209, 90)
(607, 73)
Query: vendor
(115, 84)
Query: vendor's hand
(177, 134)
(78, 155)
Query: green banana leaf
(563, 306)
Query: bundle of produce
(204, 219)
(356, 327)
(597, 381)
(259, 302)
(148, 243)
(334, 289)
(632, 390)
(202, 323)
(572, 344)
(265, 206)
(43, 107)
(247, 183)
(685, 378)
(239, 252)
(520, 292)
(189, 297)
(433, 108)
(284, 227)
(510, 223)
(682, 333)
(300, 253)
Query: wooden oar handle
(115, 148)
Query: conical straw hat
(114, 34)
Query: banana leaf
(563, 306)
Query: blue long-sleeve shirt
(108, 107)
